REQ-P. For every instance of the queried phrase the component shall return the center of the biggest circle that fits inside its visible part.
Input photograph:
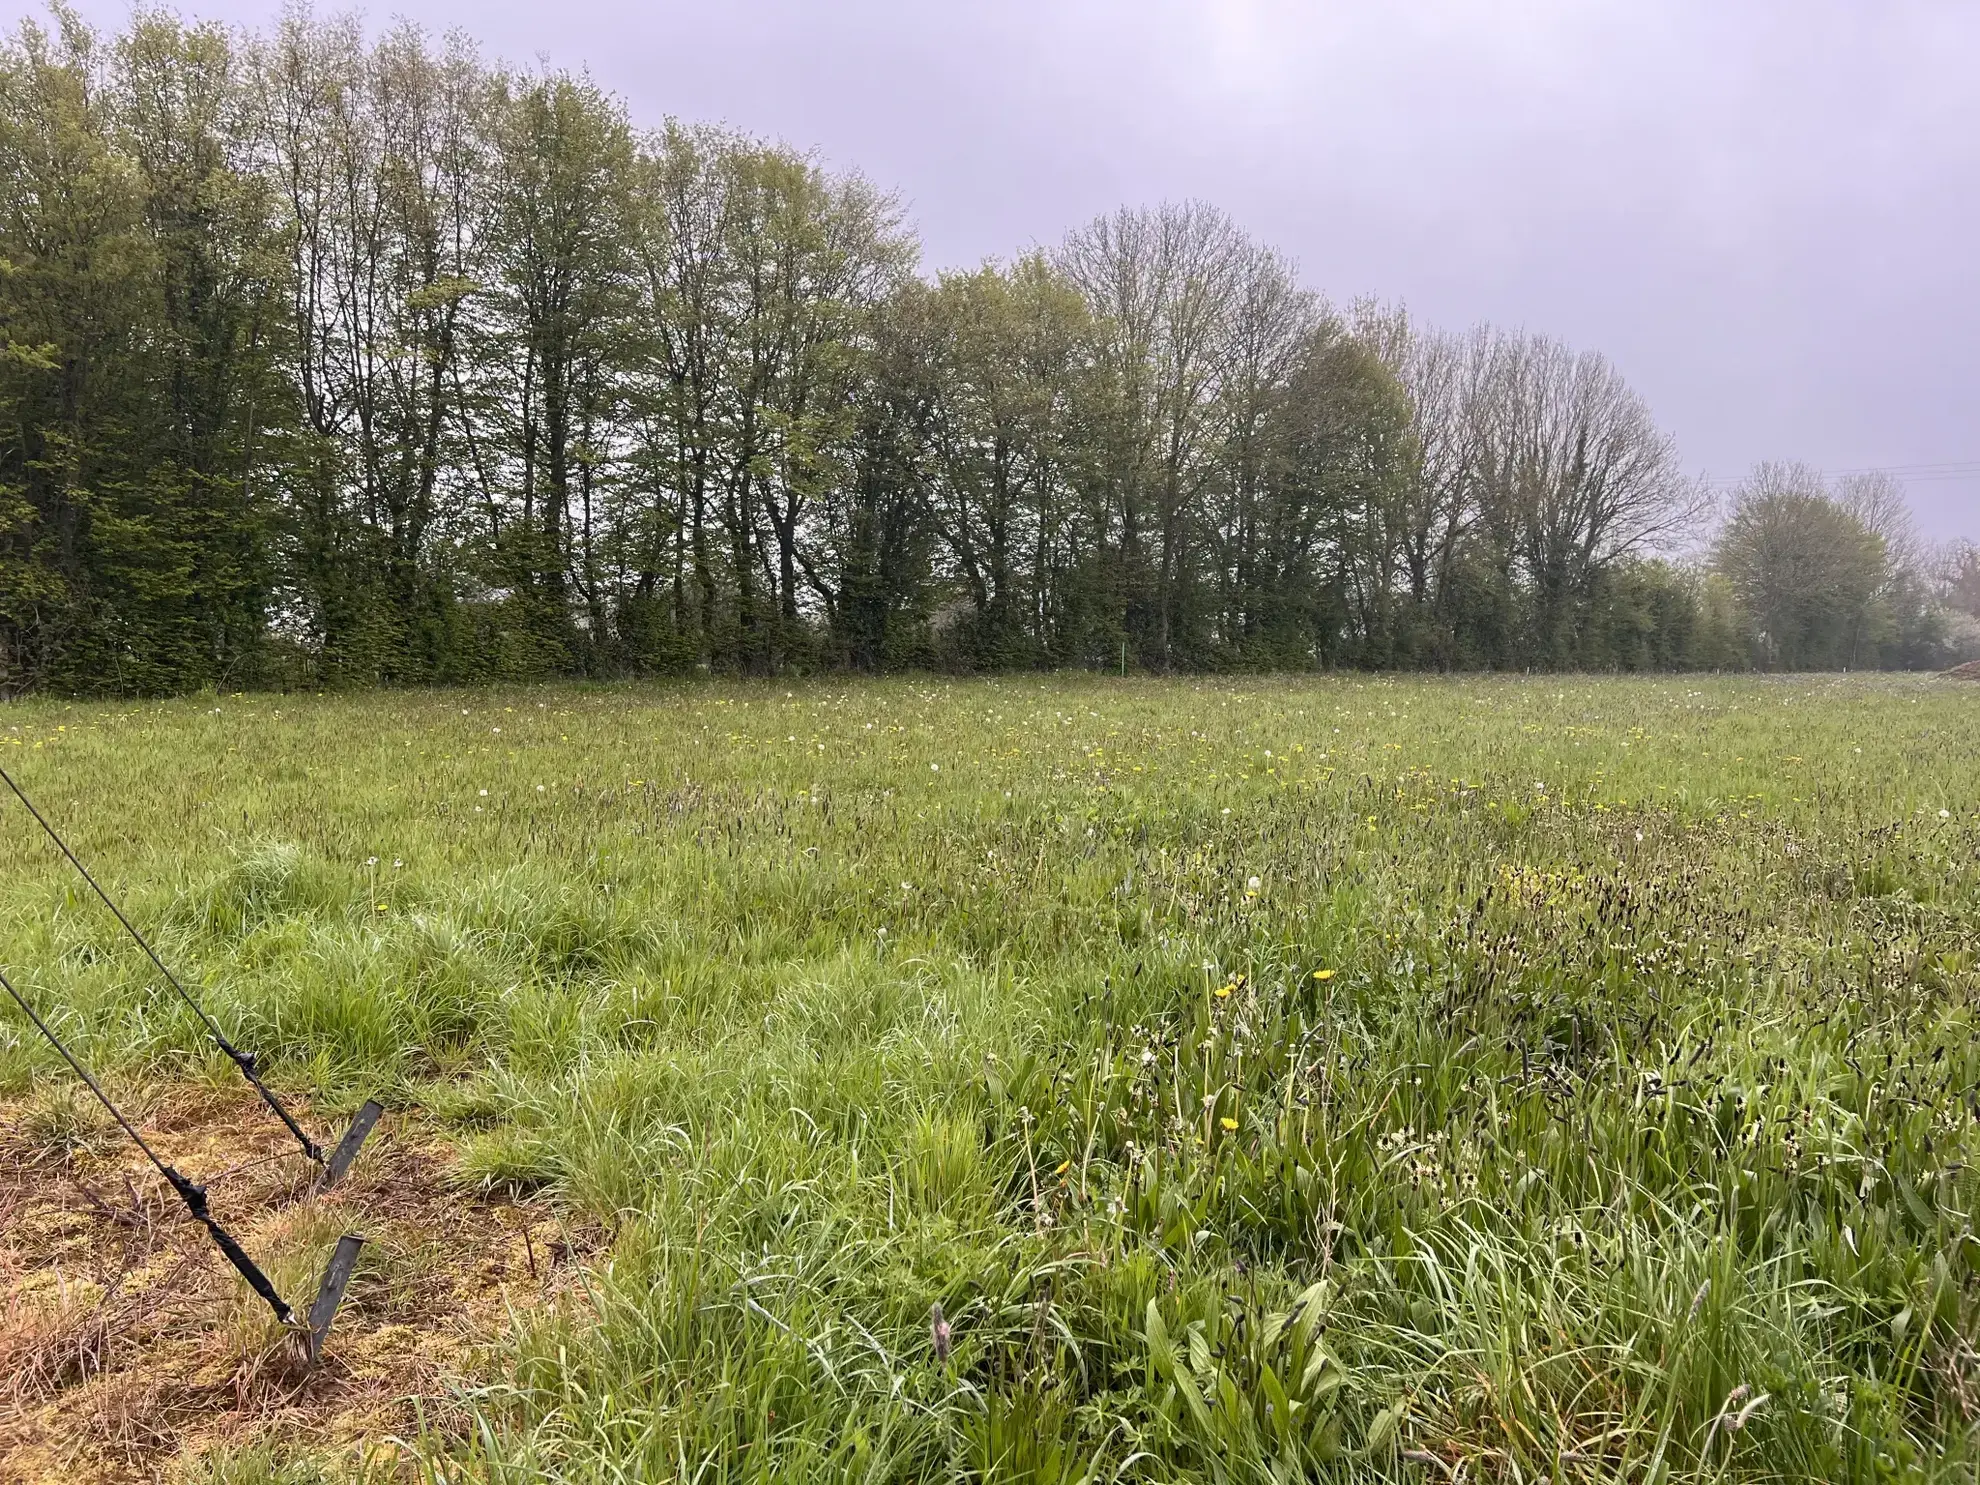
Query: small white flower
(1639, 835)
(484, 793)
(539, 790)
(371, 861)
(1252, 884)
(934, 768)
(1945, 814)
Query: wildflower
(934, 768)
(1945, 814)
(1228, 1123)
(1252, 886)
(484, 793)
(1323, 974)
(1223, 991)
(371, 861)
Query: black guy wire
(190, 1192)
(245, 1061)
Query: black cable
(190, 1192)
(245, 1061)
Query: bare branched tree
(1572, 473)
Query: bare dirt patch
(129, 1349)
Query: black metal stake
(330, 1293)
(353, 1140)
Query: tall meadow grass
(1511, 1079)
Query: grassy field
(1507, 1079)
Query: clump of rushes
(1383, 1115)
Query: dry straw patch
(128, 1349)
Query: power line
(190, 1192)
(1955, 471)
(245, 1061)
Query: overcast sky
(1764, 211)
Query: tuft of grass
(60, 1122)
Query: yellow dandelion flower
(1323, 974)
(1228, 1123)
(1224, 991)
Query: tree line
(327, 360)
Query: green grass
(1628, 1139)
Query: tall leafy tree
(1808, 571)
(134, 305)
